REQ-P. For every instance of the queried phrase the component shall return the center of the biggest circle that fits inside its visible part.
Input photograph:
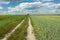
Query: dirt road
(30, 33)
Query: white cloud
(1, 7)
(4, 2)
(21, 7)
(36, 7)
(47, 0)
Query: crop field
(30, 27)
(21, 32)
(8, 22)
(46, 27)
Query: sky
(30, 6)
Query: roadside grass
(8, 22)
(21, 32)
(46, 27)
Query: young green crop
(46, 27)
(8, 22)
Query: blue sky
(30, 6)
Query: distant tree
(27, 14)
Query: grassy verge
(8, 22)
(21, 32)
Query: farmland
(21, 32)
(46, 27)
(8, 22)
(34, 27)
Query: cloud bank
(37, 7)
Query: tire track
(9, 34)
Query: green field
(21, 32)
(8, 22)
(46, 27)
